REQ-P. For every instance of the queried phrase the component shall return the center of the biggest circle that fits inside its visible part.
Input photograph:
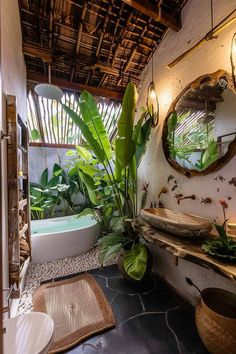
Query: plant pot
(216, 320)
(146, 277)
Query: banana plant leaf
(92, 142)
(142, 140)
(93, 120)
(90, 186)
(135, 261)
(210, 155)
(84, 153)
(137, 127)
(124, 144)
(87, 168)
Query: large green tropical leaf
(142, 140)
(135, 261)
(118, 171)
(84, 153)
(124, 144)
(137, 127)
(44, 178)
(210, 155)
(93, 120)
(93, 144)
(57, 169)
(87, 168)
(90, 186)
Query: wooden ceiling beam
(68, 85)
(156, 13)
(37, 52)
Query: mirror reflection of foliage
(52, 194)
(195, 137)
(109, 172)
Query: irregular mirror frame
(199, 132)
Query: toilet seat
(30, 333)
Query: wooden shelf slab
(190, 250)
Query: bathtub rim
(95, 224)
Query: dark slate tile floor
(151, 319)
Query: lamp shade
(153, 104)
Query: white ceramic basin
(30, 333)
(185, 225)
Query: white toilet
(30, 333)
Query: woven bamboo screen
(56, 127)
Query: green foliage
(94, 122)
(130, 146)
(222, 247)
(135, 261)
(125, 147)
(87, 134)
(142, 139)
(208, 156)
(111, 244)
(113, 191)
(194, 138)
(35, 135)
(58, 191)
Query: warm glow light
(152, 104)
(152, 94)
(165, 98)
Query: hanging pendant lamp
(152, 101)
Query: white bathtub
(62, 237)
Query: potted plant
(109, 173)
(222, 247)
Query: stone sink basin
(173, 222)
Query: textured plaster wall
(13, 82)
(154, 169)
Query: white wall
(13, 82)
(154, 168)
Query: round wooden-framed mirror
(199, 132)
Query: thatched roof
(96, 44)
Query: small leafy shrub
(222, 247)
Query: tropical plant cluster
(109, 172)
(54, 195)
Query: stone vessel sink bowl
(185, 225)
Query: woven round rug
(78, 308)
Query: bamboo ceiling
(100, 45)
